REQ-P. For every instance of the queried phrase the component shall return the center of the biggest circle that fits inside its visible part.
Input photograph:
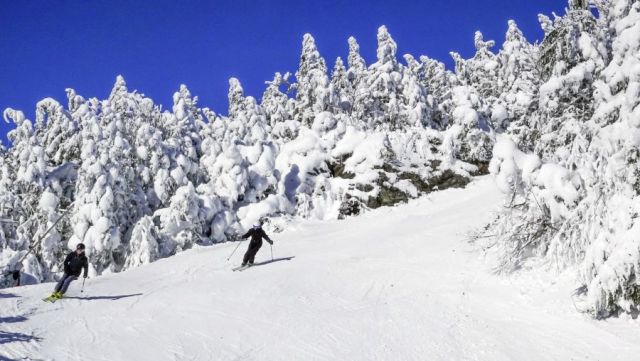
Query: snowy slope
(395, 284)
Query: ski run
(400, 283)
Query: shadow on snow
(7, 295)
(112, 298)
(12, 319)
(8, 337)
(273, 260)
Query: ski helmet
(80, 246)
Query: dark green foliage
(448, 179)
(629, 292)
(388, 196)
(349, 207)
(416, 180)
(364, 187)
(336, 167)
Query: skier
(257, 234)
(75, 262)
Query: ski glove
(270, 242)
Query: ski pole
(271, 252)
(82, 288)
(234, 251)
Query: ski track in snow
(394, 284)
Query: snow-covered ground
(397, 283)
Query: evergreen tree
(183, 138)
(518, 81)
(180, 224)
(105, 204)
(60, 135)
(481, 71)
(415, 107)
(570, 60)
(357, 66)
(236, 98)
(247, 122)
(312, 83)
(237, 123)
(274, 102)
(438, 82)
(341, 91)
(608, 229)
(576, 205)
(7, 200)
(153, 166)
(143, 244)
(378, 101)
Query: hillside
(398, 283)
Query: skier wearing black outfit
(75, 262)
(257, 234)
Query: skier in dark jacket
(75, 262)
(257, 234)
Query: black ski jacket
(74, 263)
(257, 234)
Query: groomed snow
(397, 283)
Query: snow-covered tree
(274, 102)
(60, 137)
(312, 83)
(575, 202)
(378, 100)
(481, 71)
(278, 109)
(153, 166)
(572, 57)
(415, 107)
(8, 199)
(518, 80)
(179, 224)
(27, 167)
(182, 138)
(106, 203)
(143, 244)
(438, 82)
(357, 66)
(611, 171)
(468, 138)
(247, 121)
(341, 91)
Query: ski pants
(250, 255)
(64, 282)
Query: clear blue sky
(47, 46)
